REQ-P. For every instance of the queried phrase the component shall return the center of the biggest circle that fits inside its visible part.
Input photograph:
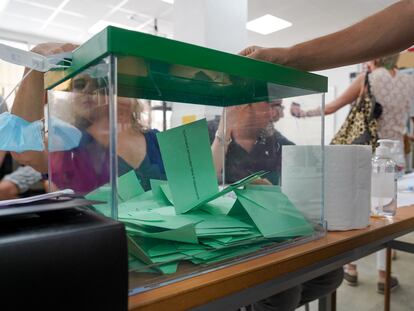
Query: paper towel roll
(347, 183)
(301, 179)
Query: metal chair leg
(387, 289)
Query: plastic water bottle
(397, 154)
(383, 182)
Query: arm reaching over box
(29, 103)
(386, 32)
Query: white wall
(338, 82)
(215, 24)
(307, 131)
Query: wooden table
(232, 287)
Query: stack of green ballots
(189, 217)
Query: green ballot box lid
(151, 67)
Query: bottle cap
(382, 149)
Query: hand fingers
(68, 47)
(295, 111)
(245, 52)
(62, 48)
(51, 48)
(249, 50)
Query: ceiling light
(102, 24)
(169, 1)
(267, 24)
(3, 4)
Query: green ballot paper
(272, 213)
(129, 186)
(189, 166)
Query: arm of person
(347, 97)
(230, 119)
(18, 182)
(219, 147)
(2, 156)
(386, 32)
(29, 100)
(29, 103)
(8, 190)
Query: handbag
(361, 124)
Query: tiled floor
(365, 298)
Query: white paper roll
(347, 183)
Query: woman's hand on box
(52, 48)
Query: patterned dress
(395, 94)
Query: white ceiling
(70, 20)
(310, 18)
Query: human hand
(273, 55)
(35, 159)
(52, 48)
(2, 156)
(250, 50)
(296, 111)
(8, 190)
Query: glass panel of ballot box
(207, 158)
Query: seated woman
(83, 107)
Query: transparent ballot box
(196, 151)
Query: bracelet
(221, 139)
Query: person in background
(251, 141)
(395, 92)
(19, 181)
(386, 32)
(85, 167)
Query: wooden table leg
(387, 285)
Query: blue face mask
(62, 135)
(18, 135)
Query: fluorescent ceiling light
(3, 4)
(267, 24)
(102, 24)
(169, 1)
